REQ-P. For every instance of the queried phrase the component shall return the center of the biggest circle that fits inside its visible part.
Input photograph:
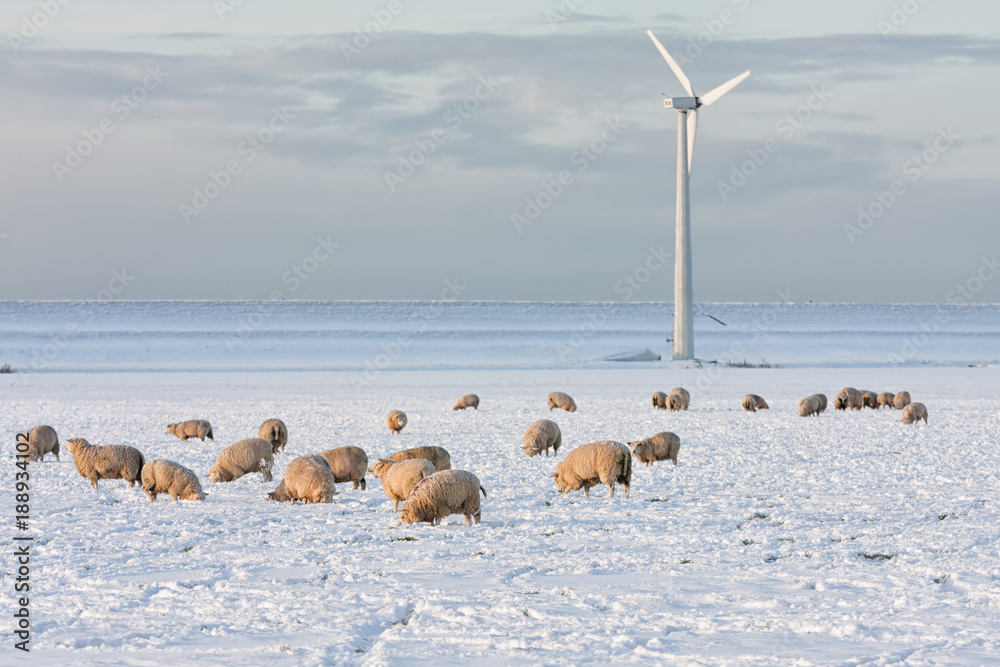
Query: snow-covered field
(844, 539)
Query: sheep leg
(395, 506)
(626, 490)
(611, 485)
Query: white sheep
(106, 462)
(605, 462)
(467, 401)
(753, 403)
(162, 476)
(885, 399)
(348, 464)
(41, 440)
(192, 428)
(901, 400)
(852, 398)
(442, 494)
(396, 420)
(914, 412)
(541, 435)
(870, 399)
(822, 402)
(840, 402)
(663, 446)
(242, 458)
(275, 432)
(660, 400)
(399, 478)
(809, 406)
(439, 456)
(557, 399)
(679, 399)
(307, 478)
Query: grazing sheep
(439, 456)
(885, 398)
(869, 399)
(822, 402)
(557, 399)
(192, 428)
(679, 399)
(396, 420)
(660, 400)
(840, 402)
(914, 412)
(467, 401)
(41, 440)
(753, 403)
(604, 462)
(901, 400)
(275, 432)
(444, 493)
(660, 447)
(540, 436)
(244, 457)
(108, 462)
(852, 398)
(348, 464)
(399, 478)
(162, 476)
(307, 478)
(810, 406)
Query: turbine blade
(716, 93)
(678, 72)
(692, 131)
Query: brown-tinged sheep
(914, 412)
(348, 464)
(106, 462)
(439, 456)
(840, 402)
(442, 494)
(192, 428)
(660, 447)
(869, 399)
(809, 406)
(852, 398)
(753, 403)
(605, 462)
(307, 478)
(679, 399)
(901, 400)
(244, 457)
(275, 432)
(399, 478)
(162, 476)
(41, 440)
(822, 402)
(540, 436)
(396, 420)
(557, 399)
(660, 400)
(467, 401)
(885, 398)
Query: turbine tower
(687, 126)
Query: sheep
(557, 399)
(439, 456)
(399, 478)
(348, 464)
(914, 412)
(41, 440)
(192, 428)
(396, 420)
(307, 478)
(660, 400)
(753, 403)
(540, 436)
(275, 432)
(869, 399)
(244, 457)
(679, 399)
(106, 462)
(822, 402)
(604, 462)
(467, 401)
(162, 476)
(840, 402)
(885, 398)
(810, 406)
(660, 447)
(901, 400)
(852, 398)
(443, 493)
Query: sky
(393, 149)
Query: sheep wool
(901, 400)
(660, 400)
(660, 447)
(557, 399)
(396, 421)
(307, 478)
(467, 401)
(275, 432)
(162, 476)
(399, 478)
(192, 428)
(106, 462)
(348, 464)
(439, 456)
(914, 412)
(822, 402)
(809, 406)
(885, 399)
(753, 403)
(244, 457)
(442, 494)
(679, 399)
(540, 436)
(41, 440)
(869, 399)
(606, 462)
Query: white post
(683, 292)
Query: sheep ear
(554, 475)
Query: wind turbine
(687, 126)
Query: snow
(765, 545)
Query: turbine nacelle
(682, 103)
